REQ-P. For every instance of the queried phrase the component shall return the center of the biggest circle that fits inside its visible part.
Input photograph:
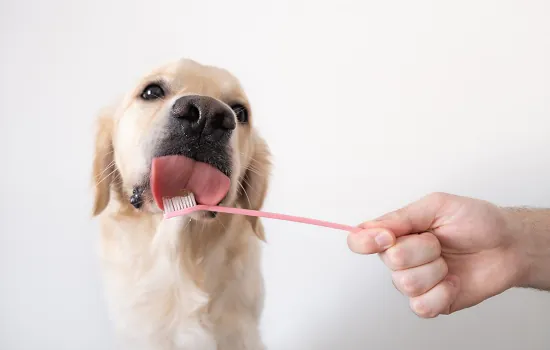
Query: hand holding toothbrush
(448, 252)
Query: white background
(366, 105)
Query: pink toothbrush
(184, 205)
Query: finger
(412, 251)
(370, 241)
(417, 281)
(438, 300)
(414, 218)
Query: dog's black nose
(204, 115)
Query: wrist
(529, 229)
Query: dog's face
(185, 124)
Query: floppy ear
(104, 168)
(256, 182)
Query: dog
(191, 282)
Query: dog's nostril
(192, 114)
(223, 121)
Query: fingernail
(383, 239)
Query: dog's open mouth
(172, 175)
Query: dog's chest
(151, 297)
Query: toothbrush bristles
(172, 204)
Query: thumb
(370, 240)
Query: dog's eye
(152, 92)
(241, 112)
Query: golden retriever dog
(189, 282)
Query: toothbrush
(184, 205)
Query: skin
(448, 253)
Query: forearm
(531, 227)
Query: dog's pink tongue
(171, 175)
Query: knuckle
(421, 309)
(409, 285)
(437, 196)
(431, 242)
(427, 314)
(431, 314)
(443, 267)
(396, 258)
(395, 285)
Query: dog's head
(185, 126)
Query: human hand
(447, 252)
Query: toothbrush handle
(257, 213)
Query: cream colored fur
(185, 283)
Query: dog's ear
(256, 181)
(103, 167)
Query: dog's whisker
(249, 185)
(117, 180)
(255, 171)
(117, 177)
(106, 168)
(252, 166)
(254, 160)
(109, 153)
(106, 177)
(245, 193)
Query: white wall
(366, 105)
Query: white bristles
(172, 204)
